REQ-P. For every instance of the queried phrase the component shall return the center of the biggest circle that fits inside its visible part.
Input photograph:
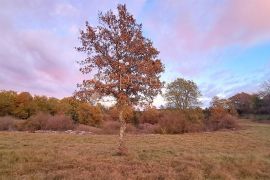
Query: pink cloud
(37, 61)
(195, 26)
(243, 22)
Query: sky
(223, 46)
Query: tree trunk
(122, 147)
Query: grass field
(242, 154)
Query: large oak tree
(121, 63)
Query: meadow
(239, 154)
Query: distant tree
(124, 63)
(69, 106)
(182, 94)
(265, 96)
(243, 102)
(53, 105)
(24, 105)
(40, 104)
(7, 102)
(89, 115)
(223, 104)
(265, 88)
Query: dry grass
(243, 154)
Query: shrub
(90, 115)
(59, 122)
(131, 128)
(175, 121)
(7, 123)
(20, 125)
(111, 127)
(194, 120)
(36, 122)
(151, 115)
(220, 119)
(229, 122)
(171, 122)
(45, 121)
(147, 128)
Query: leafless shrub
(36, 122)
(148, 128)
(44, 121)
(7, 123)
(111, 127)
(150, 115)
(59, 123)
(172, 123)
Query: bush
(194, 120)
(147, 128)
(172, 122)
(44, 121)
(220, 119)
(151, 115)
(228, 122)
(111, 127)
(59, 123)
(130, 128)
(36, 122)
(7, 123)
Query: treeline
(23, 105)
(43, 113)
(22, 111)
(257, 104)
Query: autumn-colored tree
(223, 105)
(124, 63)
(40, 104)
(243, 102)
(53, 105)
(221, 114)
(24, 105)
(7, 102)
(89, 115)
(182, 94)
(69, 106)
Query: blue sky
(224, 46)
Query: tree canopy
(122, 62)
(182, 94)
